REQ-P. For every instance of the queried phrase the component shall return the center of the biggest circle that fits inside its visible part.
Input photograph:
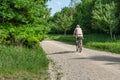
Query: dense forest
(94, 16)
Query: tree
(104, 17)
(83, 15)
(118, 15)
(18, 17)
(63, 20)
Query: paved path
(88, 65)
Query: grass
(18, 63)
(94, 41)
(67, 39)
(106, 46)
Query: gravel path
(88, 65)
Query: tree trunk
(65, 31)
(111, 33)
(3, 20)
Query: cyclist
(79, 35)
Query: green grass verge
(106, 46)
(93, 41)
(18, 63)
(67, 39)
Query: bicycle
(79, 44)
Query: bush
(25, 35)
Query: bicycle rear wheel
(79, 47)
(78, 44)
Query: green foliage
(104, 17)
(23, 22)
(19, 62)
(22, 11)
(87, 10)
(62, 21)
(25, 35)
(118, 15)
(94, 16)
(83, 15)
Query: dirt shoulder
(88, 65)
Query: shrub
(27, 35)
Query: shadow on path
(113, 60)
(62, 52)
